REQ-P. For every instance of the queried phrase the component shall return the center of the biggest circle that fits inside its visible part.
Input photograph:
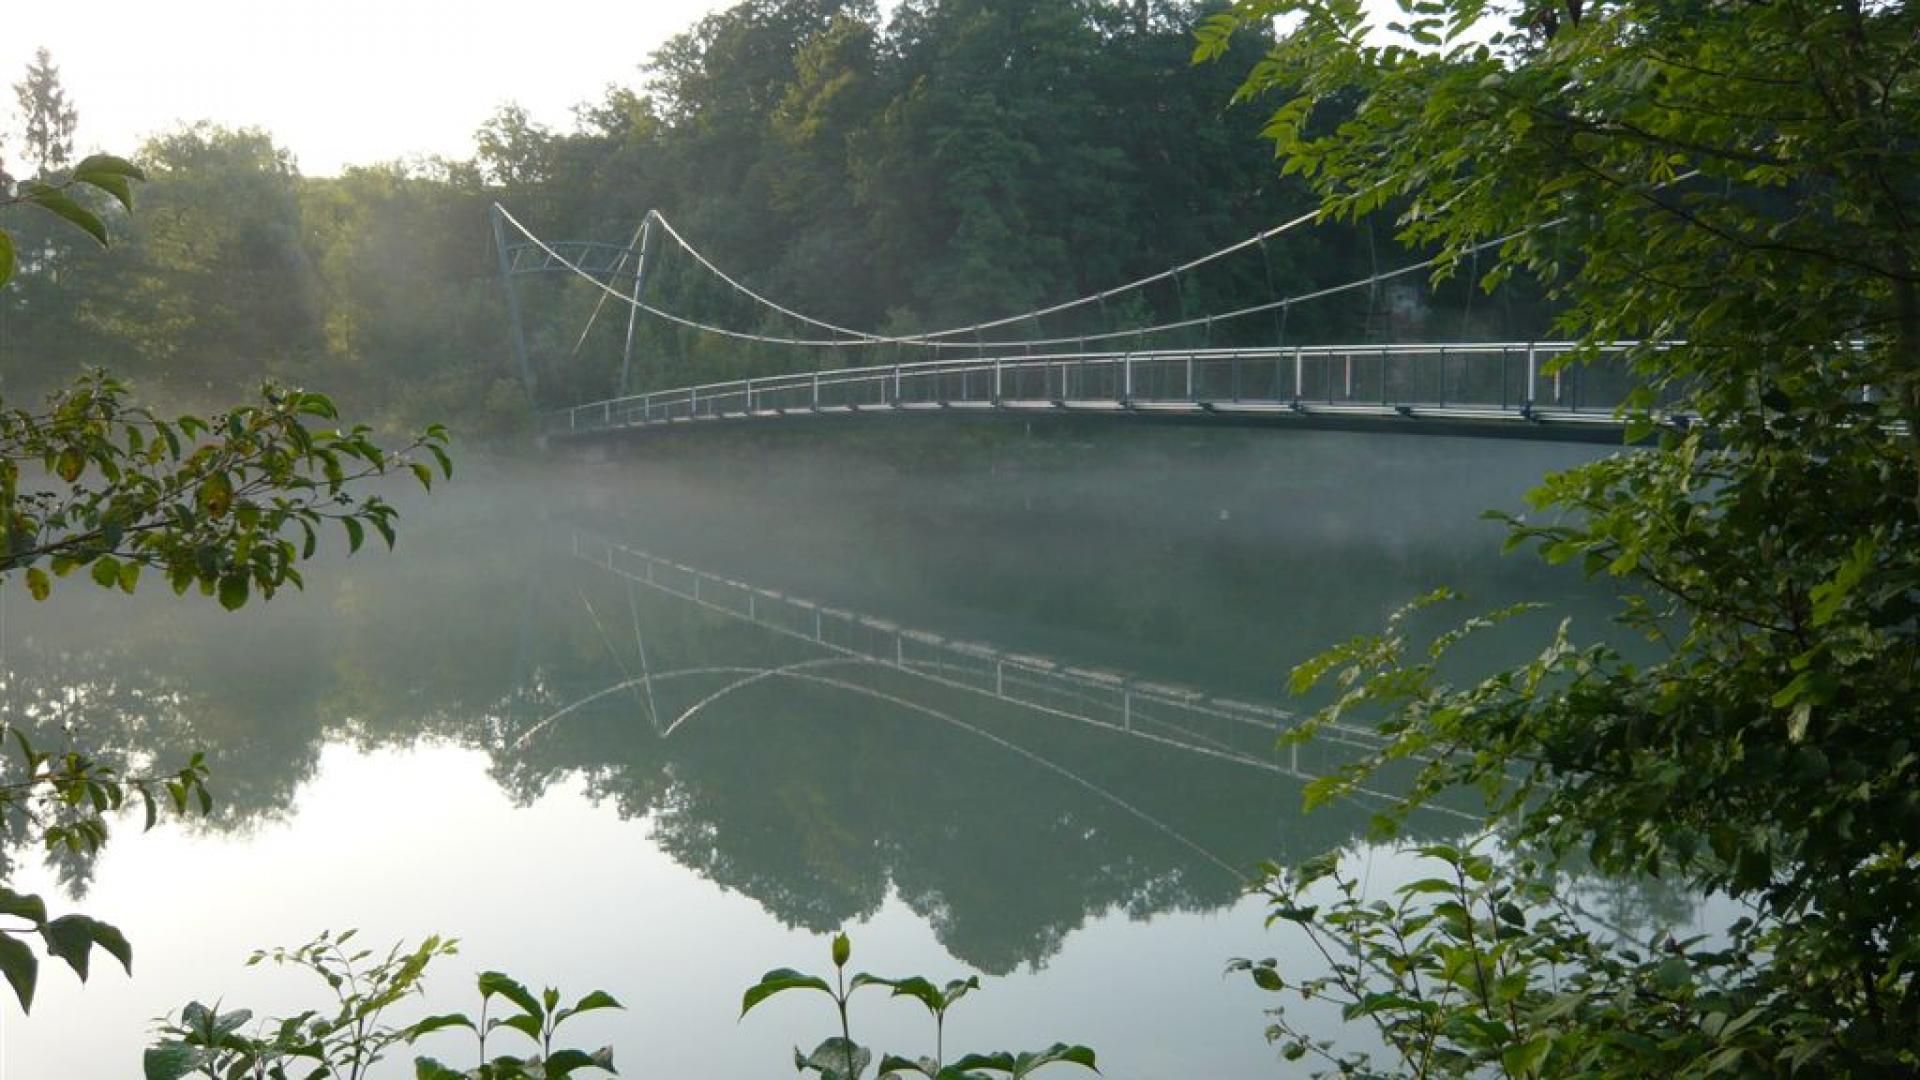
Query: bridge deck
(1521, 386)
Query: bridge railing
(1517, 378)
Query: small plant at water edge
(346, 1041)
(838, 1057)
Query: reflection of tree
(1005, 828)
(81, 699)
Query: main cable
(933, 336)
(1283, 304)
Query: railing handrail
(1023, 361)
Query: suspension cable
(1371, 281)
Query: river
(996, 699)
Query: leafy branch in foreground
(838, 1057)
(230, 502)
(347, 1040)
(64, 801)
(1486, 967)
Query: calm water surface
(996, 701)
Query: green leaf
(429, 1069)
(527, 1024)
(116, 186)
(565, 1062)
(21, 968)
(598, 999)
(6, 257)
(779, 981)
(355, 534)
(70, 938)
(111, 939)
(233, 591)
(1026, 1064)
(891, 1064)
(22, 906)
(494, 982)
(63, 205)
(436, 1023)
(106, 572)
(836, 1056)
(172, 1060)
(108, 165)
(215, 495)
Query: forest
(956, 161)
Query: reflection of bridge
(1169, 716)
(1516, 385)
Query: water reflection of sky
(569, 892)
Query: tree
(229, 503)
(1735, 185)
(47, 119)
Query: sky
(340, 82)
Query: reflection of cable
(605, 638)
(745, 681)
(800, 671)
(625, 684)
(796, 671)
(640, 646)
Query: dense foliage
(1740, 178)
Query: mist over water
(597, 782)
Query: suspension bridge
(1553, 389)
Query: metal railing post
(896, 384)
(1189, 376)
(693, 402)
(996, 382)
(1126, 377)
(1533, 376)
(1349, 393)
(816, 391)
(749, 395)
(1299, 373)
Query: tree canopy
(955, 160)
(1735, 185)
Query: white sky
(343, 82)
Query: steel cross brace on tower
(604, 261)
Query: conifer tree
(47, 118)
